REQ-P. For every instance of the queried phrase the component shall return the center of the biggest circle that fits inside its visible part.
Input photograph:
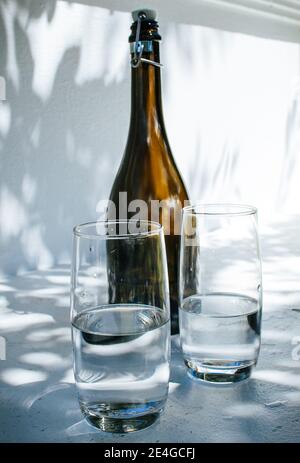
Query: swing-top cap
(144, 13)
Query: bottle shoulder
(148, 177)
(148, 169)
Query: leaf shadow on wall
(58, 155)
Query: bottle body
(148, 172)
(137, 184)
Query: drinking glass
(220, 291)
(120, 323)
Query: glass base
(219, 372)
(120, 420)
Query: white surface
(37, 395)
(230, 99)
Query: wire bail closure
(139, 46)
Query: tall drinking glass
(120, 323)
(220, 291)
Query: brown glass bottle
(148, 171)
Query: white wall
(231, 107)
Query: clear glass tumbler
(120, 323)
(220, 291)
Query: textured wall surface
(231, 97)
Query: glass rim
(236, 209)
(80, 229)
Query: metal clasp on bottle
(138, 46)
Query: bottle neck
(146, 102)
